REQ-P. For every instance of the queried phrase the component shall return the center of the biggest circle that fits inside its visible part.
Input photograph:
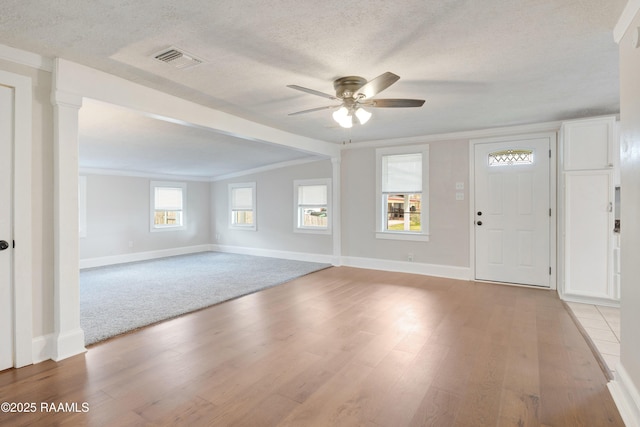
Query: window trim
(381, 232)
(296, 206)
(254, 210)
(152, 205)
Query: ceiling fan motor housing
(347, 87)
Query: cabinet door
(589, 234)
(588, 144)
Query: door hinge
(549, 211)
(549, 153)
(13, 244)
(549, 271)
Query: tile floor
(602, 324)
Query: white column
(336, 211)
(68, 336)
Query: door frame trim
(22, 214)
(553, 173)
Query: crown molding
(140, 174)
(196, 178)
(464, 135)
(630, 11)
(267, 168)
(23, 57)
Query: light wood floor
(341, 347)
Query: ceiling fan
(354, 93)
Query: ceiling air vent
(178, 58)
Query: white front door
(6, 263)
(512, 211)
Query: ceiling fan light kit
(363, 115)
(342, 116)
(354, 92)
(347, 117)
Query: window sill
(243, 227)
(176, 228)
(402, 236)
(312, 230)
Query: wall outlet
(459, 185)
(410, 256)
(459, 196)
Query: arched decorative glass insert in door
(511, 157)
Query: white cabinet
(587, 176)
(588, 144)
(588, 234)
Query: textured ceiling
(479, 64)
(124, 140)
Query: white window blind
(312, 195)
(168, 199)
(242, 198)
(402, 173)
(167, 205)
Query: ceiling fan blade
(311, 110)
(311, 91)
(378, 84)
(392, 103)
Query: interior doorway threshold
(600, 326)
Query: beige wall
(42, 195)
(630, 203)
(274, 191)
(118, 214)
(448, 218)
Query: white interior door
(512, 211)
(6, 263)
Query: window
(403, 200)
(242, 203)
(168, 205)
(511, 157)
(312, 204)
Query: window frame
(381, 232)
(297, 227)
(152, 190)
(254, 211)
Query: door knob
(479, 222)
(3, 245)
(479, 213)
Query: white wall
(628, 374)
(274, 191)
(448, 218)
(118, 218)
(42, 195)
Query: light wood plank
(342, 346)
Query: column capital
(66, 99)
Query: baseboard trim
(272, 253)
(67, 344)
(141, 256)
(42, 348)
(626, 397)
(589, 300)
(446, 271)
